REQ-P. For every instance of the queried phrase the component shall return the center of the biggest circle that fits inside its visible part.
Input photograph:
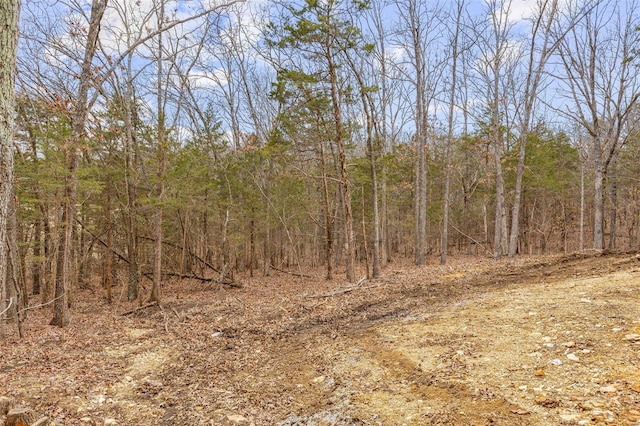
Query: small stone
(216, 334)
(110, 422)
(616, 329)
(584, 422)
(572, 357)
(44, 421)
(522, 388)
(555, 362)
(236, 418)
(539, 373)
(608, 389)
(152, 383)
(568, 417)
(632, 337)
(569, 344)
(318, 379)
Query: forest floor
(533, 341)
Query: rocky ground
(535, 341)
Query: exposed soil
(535, 341)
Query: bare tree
(498, 57)
(423, 25)
(78, 133)
(547, 33)
(456, 48)
(602, 86)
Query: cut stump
(5, 405)
(19, 417)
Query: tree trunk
(598, 207)
(613, 197)
(582, 206)
(9, 11)
(36, 267)
(132, 189)
(447, 166)
(157, 254)
(328, 214)
(350, 255)
(79, 118)
(108, 252)
(500, 214)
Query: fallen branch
(192, 254)
(470, 238)
(227, 280)
(176, 312)
(295, 274)
(344, 290)
(166, 319)
(139, 308)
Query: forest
(212, 140)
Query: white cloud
(519, 10)
(202, 79)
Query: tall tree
(76, 139)
(320, 33)
(9, 11)
(495, 67)
(453, 87)
(424, 72)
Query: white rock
(608, 389)
(555, 362)
(569, 417)
(110, 422)
(632, 337)
(237, 418)
(573, 357)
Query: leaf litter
(532, 341)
